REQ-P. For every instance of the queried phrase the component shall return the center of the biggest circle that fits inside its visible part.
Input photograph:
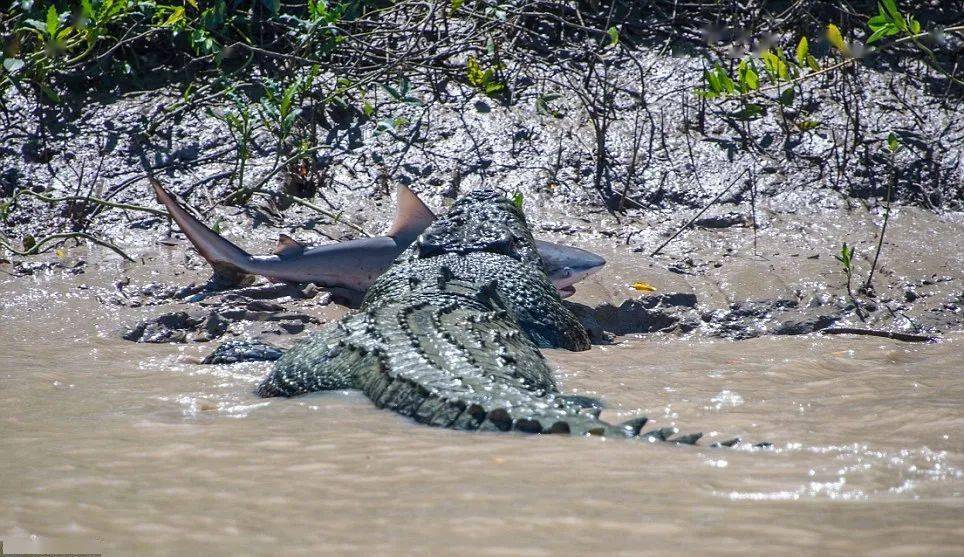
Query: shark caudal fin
(412, 216)
(229, 261)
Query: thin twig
(906, 337)
(60, 238)
(698, 215)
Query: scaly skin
(449, 335)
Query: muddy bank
(768, 282)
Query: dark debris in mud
(243, 350)
(212, 314)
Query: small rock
(721, 221)
(169, 327)
(263, 305)
(310, 290)
(805, 326)
(292, 327)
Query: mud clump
(169, 327)
(203, 326)
(241, 350)
(668, 312)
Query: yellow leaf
(61, 252)
(176, 15)
(193, 3)
(836, 39)
(643, 287)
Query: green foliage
(47, 41)
(240, 124)
(391, 124)
(279, 107)
(517, 199)
(718, 83)
(747, 78)
(846, 259)
(775, 65)
(836, 39)
(889, 21)
(893, 143)
(544, 106)
(484, 80)
(613, 36)
(402, 92)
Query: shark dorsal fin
(411, 215)
(288, 247)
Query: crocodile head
(482, 221)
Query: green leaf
(53, 21)
(803, 48)
(50, 93)
(786, 97)
(368, 109)
(892, 142)
(749, 79)
(12, 65)
(751, 111)
(878, 21)
(837, 40)
(176, 16)
(914, 25)
(890, 8)
(517, 199)
(775, 67)
(807, 125)
(812, 62)
(886, 30)
(493, 88)
(725, 80)
(456, 4)
(613, 36)
(713, 82)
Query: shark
(352, 265)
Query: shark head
(567, 265)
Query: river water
(107, 445)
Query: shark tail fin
(412, 216)
(228, 260)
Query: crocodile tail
(321, 361)
(466, 366)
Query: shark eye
(567, 272)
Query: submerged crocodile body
(449, 335)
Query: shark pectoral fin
(288, 247)
(412, 216)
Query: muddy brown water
(107, 445)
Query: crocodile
(450, 334)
